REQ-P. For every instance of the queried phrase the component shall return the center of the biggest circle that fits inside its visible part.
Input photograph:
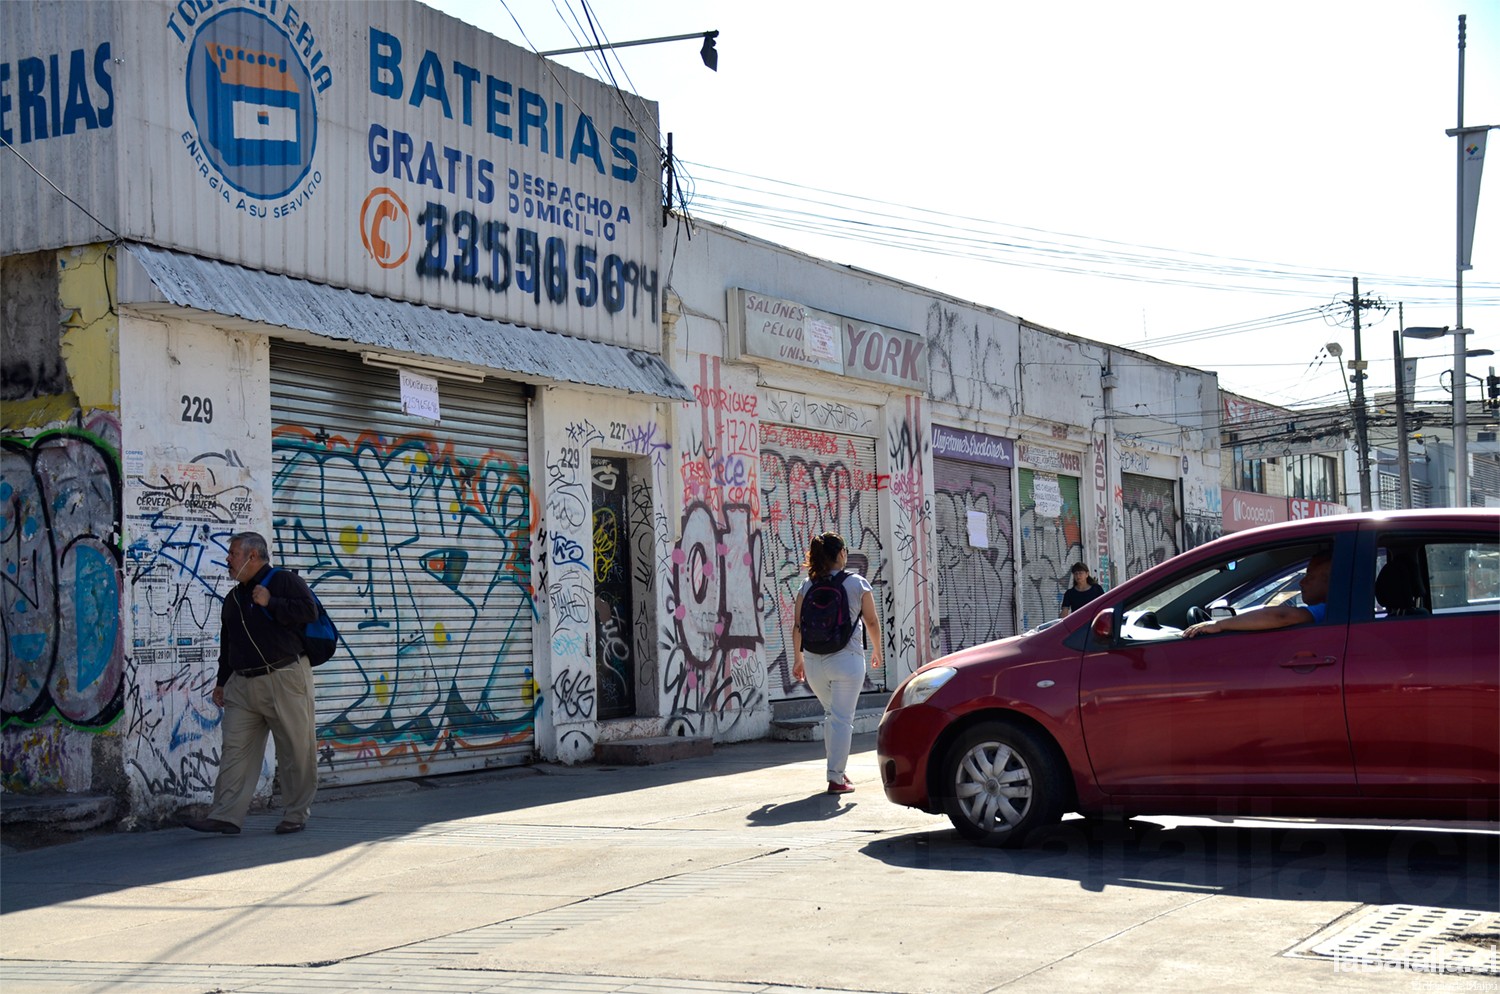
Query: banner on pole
(1471, 148)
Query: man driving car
(1314, 588)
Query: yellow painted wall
(91, 328)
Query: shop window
(1249, 474)
(1313, 477)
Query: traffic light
(1492, 384)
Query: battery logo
(254, 107)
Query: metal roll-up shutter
(977, 586)
(415, 535)
(1051, 541)
(814, 481)
(1151, 522)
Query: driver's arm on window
(1262, 619)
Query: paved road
(730, 873)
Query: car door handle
(1306, 662)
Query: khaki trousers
(281, 703)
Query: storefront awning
(152, 277)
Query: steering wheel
(1197, 615)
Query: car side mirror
(1104, 626)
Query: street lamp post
(709, 52)
(1471, 141)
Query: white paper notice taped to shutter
(1048, 495)
(419, 396)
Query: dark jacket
(251, 636)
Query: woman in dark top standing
(1083, 590)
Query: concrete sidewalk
(728, 872)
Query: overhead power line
(727, 195)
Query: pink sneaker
(840, 788)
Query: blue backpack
(320, 639)
(827, 624)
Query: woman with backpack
(824, 650)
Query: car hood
(1037, 643)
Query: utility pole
(1403, 447)
(1361, 420)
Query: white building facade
(968, 459)
(394, 293)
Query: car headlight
(925, 684)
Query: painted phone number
(497, 256)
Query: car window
(1437, 575)
(1254, 578)
(1463, 576)
(1281, 588)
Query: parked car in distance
(1387, 707)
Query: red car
(1389, 706)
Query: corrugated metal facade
(385, 147)
(977, 586)
(80, 156)
(415, 536)
(814, 481)
(1051, 542)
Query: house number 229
(199, 409)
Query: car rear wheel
(1000, 783)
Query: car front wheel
(1001, 782)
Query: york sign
(771, 328)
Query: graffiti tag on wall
(180, 517)
(711, 633)
(60, 526)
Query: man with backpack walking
(824, 650)
(264, 685)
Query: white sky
(1306, 134)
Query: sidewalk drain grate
(1410, 937)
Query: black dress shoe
(288, 827)
(212, 825)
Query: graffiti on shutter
(1051, 541)
(813, 481)
(976, 584)
(416, 537)
(1150, 512)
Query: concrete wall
(986, 372)
(570, 428)
(725, 476)
(196, 470)
(64, 654)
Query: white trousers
(836, 680)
